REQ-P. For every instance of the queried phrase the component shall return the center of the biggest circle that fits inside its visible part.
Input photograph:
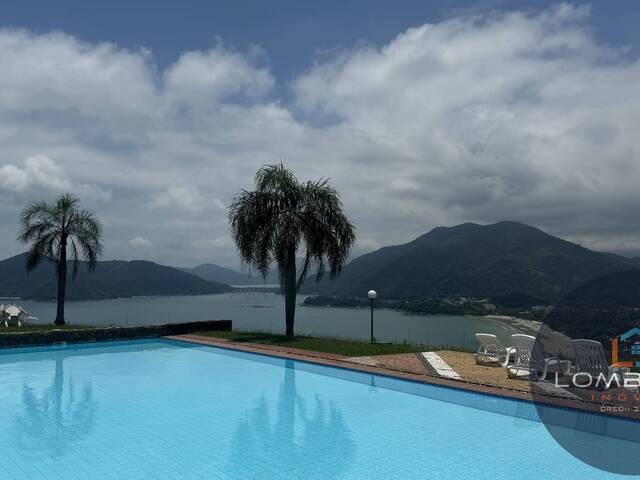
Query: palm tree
(51, 227)
(282, 216)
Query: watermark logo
(601, 384)
(625, 349)
(601, 381)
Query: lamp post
(372, 296)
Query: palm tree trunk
(62, 282)
(290, 293)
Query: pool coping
(341, 361)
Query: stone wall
(98, 334)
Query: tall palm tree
(282, 216)
(51, 228)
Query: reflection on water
(313, 439)
(59, 417)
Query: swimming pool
(162, 409)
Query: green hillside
(112, 279)
(503, 260)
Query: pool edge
(337, 361)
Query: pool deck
(406, 367)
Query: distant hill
(112, 279)
(506, 259)
(216, 273)
(620, 289)
(601, 308)
(632, 262)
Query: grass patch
(348, 348)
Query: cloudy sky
(422, 115)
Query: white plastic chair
(530, 360)
(591, 359)
(491, 351)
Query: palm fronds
(282, 216)
(50, 228)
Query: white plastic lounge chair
(530, 360)
(492, 351)
(591, 359)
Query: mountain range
(112, 279)
(499, 261)
(511, 263)
(216, 273)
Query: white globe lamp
(372, 294)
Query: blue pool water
(171, 410)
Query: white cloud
(519, 116)
(489, 117)
(213, 243)
(42, 175)
(92, 193)
(56, 71)
(179, 196)
(201, 79)
(38, 171)
(139, 242)
(186, 197)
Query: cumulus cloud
(41, 175)
(186, 197)
(139, 242)
(200, 79)
(179, 196)
(490, 117)
(38, 171)
(482, 117)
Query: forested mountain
(501, 260)
(112, 279)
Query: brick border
(332, 360)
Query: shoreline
(530, 327)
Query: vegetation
(283, 215)
(445, 306)
(348, 348)
(506, 260)
(621, 289)
(52, 227)
(600, 309)
(594, 323)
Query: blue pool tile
(167, 410)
